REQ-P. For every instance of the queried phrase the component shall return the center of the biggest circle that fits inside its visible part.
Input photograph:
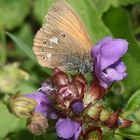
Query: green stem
(137, 31)
(128, 135)
(3, 46)
(50, 129)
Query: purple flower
(44, 105)
(46, 87)
(68, 129)
(77, 107)
(108, 66)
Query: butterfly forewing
(62, 41)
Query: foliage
(20, 20)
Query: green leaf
(134, 102)
(8, 123)
(91, 17)
(102, 5)
(41, 8)
(25, 34)
(117, 20)
(132, 111)
(3, 46)
(125, 2)
(13, 12)
(28, 51)
(22, 46)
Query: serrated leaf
(13, 12)
(117, 20)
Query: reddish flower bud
(97, 92)
(59, 78)
(80, 78)
(124, 123)
(80, 83)
(112, 121)
(68, 94)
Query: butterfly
(63, 41)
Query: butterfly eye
(63, 35)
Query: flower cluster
(76, 106)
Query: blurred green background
(20, 72)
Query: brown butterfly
(62, 41)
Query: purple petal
(120, 67)
(44, 105)
(112, 52)
(64, 128)
(113, 75)
(46, 88)
(78, 132)
(96, 49)
(39, 97)
(68, 129)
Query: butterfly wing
(62, 41)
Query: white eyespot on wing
(53, 40)
(49, 55)
(50, 46)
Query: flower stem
(3, 46)
(128, 135)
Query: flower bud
(10, 78)
(80, 83)
(94, 135)
(104, 115)
(68, 94)
(97, 92)
(37, 124)
(124, 123)
(44, 104)
(22, 106)
(112, 121)
(59, 78)
(94, 111)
